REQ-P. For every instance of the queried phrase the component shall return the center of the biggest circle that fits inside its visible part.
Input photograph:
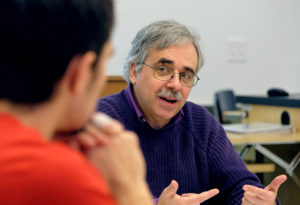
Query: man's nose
(174, 82)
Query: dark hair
(38, 38)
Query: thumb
(170, 191)
(276, 182)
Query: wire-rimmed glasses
(163, 72)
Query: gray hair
(161, 34)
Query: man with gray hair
(181, 141)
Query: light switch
(237, 50)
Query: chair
(225, 109)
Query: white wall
(270, 29)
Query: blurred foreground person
(53, 56)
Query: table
(258, 140)
(275, 110)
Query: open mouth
(168, 100)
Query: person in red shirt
(52, 67)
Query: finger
(247, 202)
(98, 136)
(86, 140)
(259, 192)
(251, 198)
(170, 191)
(244, 201)
(107, 124)
(67, 139)
(74, 144)
(276, 183)
(199, 198)
(187, 194)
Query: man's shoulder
(116, 105)
(67, 173)
(199, 116)
(54, 172)
(194, 109)
(111, 100)
(57, 162)
(58, 154)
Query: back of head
(160, 35)
(38, 39)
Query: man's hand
(267, 196)
(169, 196)
(115, 152)
(120, 161)
(97, 132)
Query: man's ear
(79, 72)
(133, 73)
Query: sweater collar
(132, 102)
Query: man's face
(100, 78)
(157, 106)
(86, 103)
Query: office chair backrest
(224, 100)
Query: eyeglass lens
(187, 78)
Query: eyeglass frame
(171, 77)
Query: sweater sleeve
(227, 170)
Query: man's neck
(157, 124)
(38, 116)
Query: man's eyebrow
(165, 61)
(189, 69)
(168, 61)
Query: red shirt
(35, 171)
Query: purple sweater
(194, 151)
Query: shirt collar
(132, 101)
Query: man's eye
(163, 69)
(186, 75)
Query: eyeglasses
(165, 73)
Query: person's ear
(133, 73)
(79, 72)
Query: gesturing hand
(169, 196)
(267, 196)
